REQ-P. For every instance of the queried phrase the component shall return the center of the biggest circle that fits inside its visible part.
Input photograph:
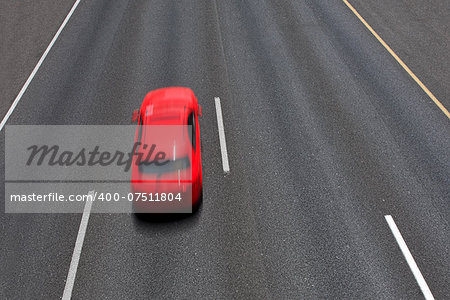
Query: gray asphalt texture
(326, 134)
(26, 29)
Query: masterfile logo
(97, 153)
(41, 154)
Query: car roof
(168, 105)
(174, 96)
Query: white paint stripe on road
(77, 249)
(409, 258)
(36, 68)
(223, 143)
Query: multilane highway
(326, 175)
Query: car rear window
(171, 166)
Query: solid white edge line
(77, 249)
(36, 68)
(223, 143)
(409, 258)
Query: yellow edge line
(424, 88)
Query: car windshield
(169, 167)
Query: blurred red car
(168, 133)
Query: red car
(168, 141)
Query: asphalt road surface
(326, 135)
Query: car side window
(194, 136)
(140, 127)
(191, 122)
